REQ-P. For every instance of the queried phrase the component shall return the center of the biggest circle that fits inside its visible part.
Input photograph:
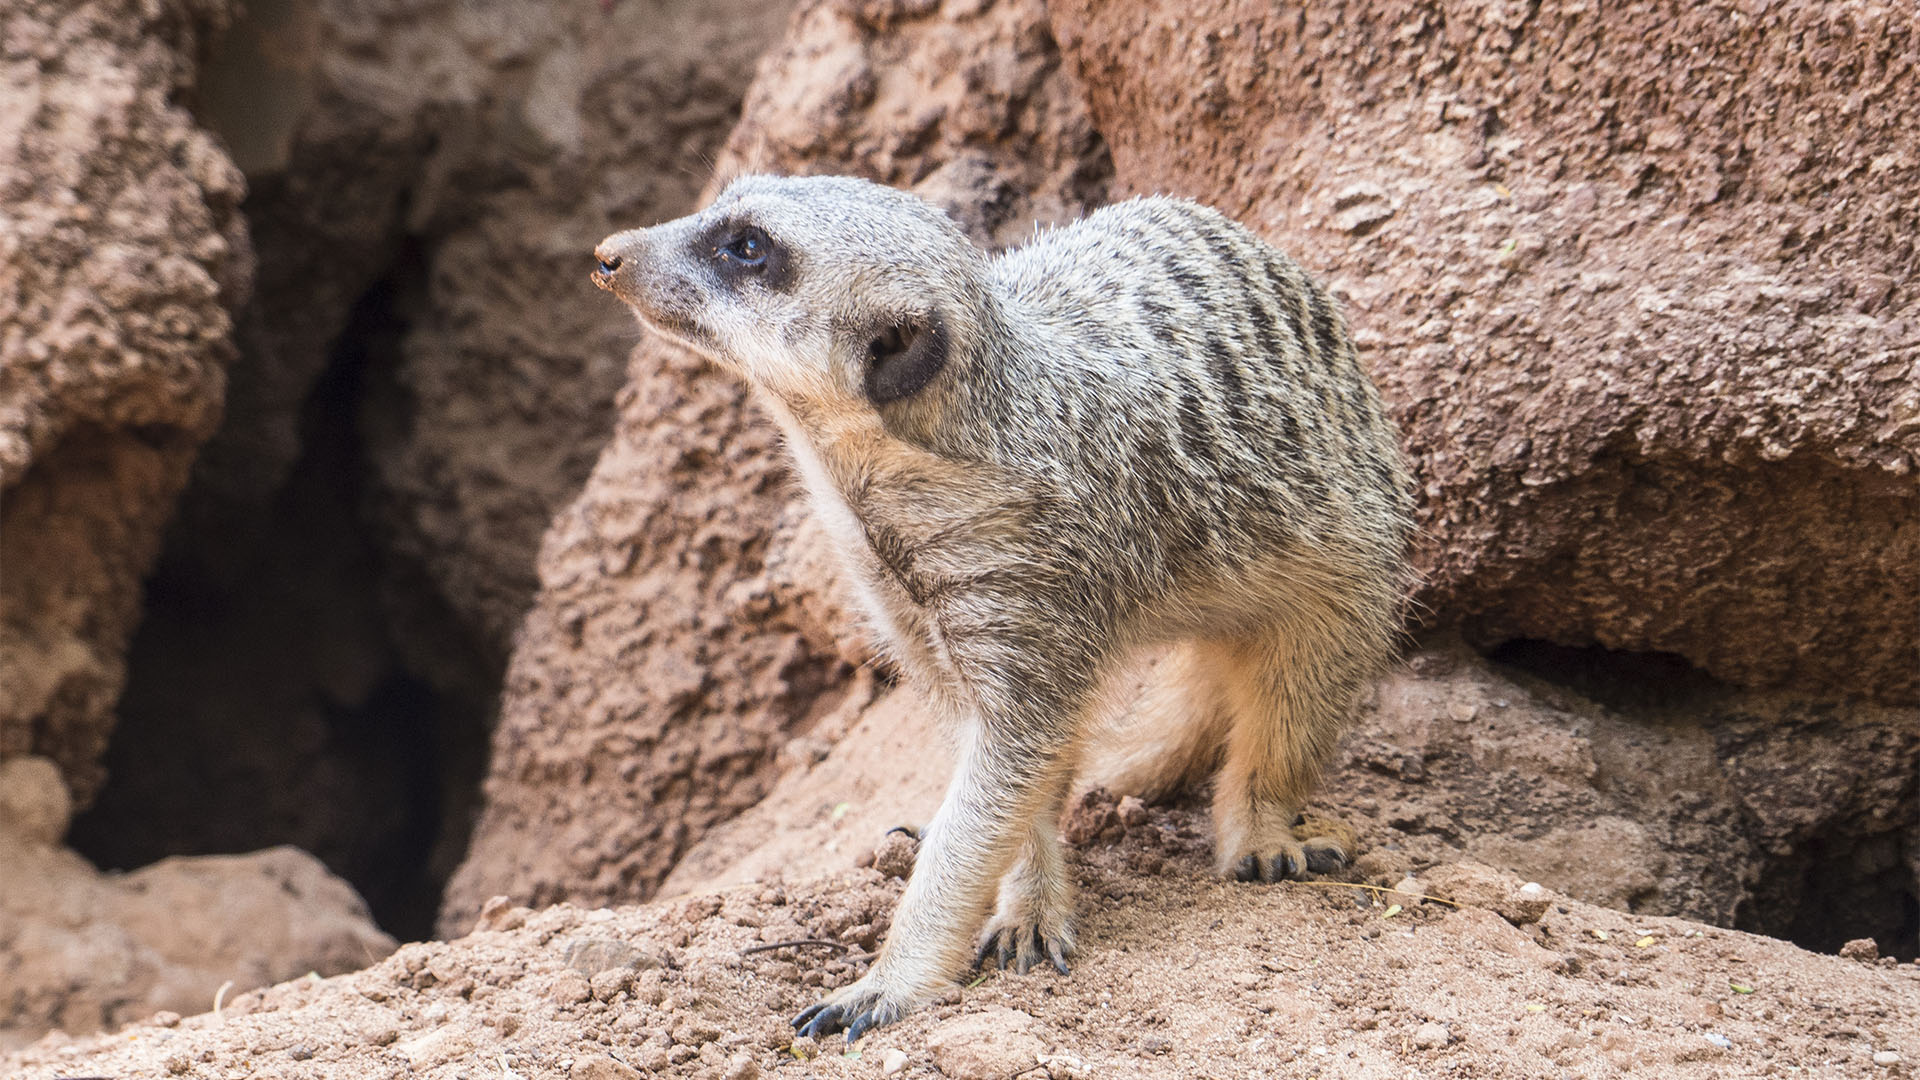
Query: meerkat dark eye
(747, 248)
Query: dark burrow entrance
(1828, 791)
(267, 701)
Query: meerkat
(1144, 427)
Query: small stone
(1133, 812)
(1154, 1044)
(1861, 949)
(591, 956)
(992, 1044)
(34, 802)
(301, 1052)
(892, 1060)
(500, 913)
(894, 855)
(742, 1067)
(177, 1064)
(1886, 1057)
(1473, 884)
(570, 988)
(166, 1018)
(804, 1047)
(608, 985)
(1431, 1036)
(601, 1067)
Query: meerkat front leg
(1030, 698)
(1287, 696)
(1034, 919)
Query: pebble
(1719, 1040)
(1886, 1057)
(1431, 1036)
(892, 1060)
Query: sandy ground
(1180, 975)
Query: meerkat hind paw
(1023, 947)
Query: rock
(895, 854)
(86, 951)
(1476, 885)
(988, 1045)
(892, 1060)
(569, 988)
(1861, 949)
(1886, 1057)
(34, 804)
(123, 254)
(1609, 452)
(687, 544)
(425, 379)
(591, 956)
(1431, 1036)
(601, 1067)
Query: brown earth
(1635, 281)
(81, 951)
(122, 254)
(1180, 975)
(688, 623)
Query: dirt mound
(1181, 975)
(81, 951)
(1640, 307)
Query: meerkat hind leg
(1287, 704)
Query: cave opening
(1833, 853)
(268, 700)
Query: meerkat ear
(903, 358)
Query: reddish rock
(1633, 279)
(122, 252)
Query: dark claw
(1003, 949)
(1284, 867)
(1326, 860)
(909, 831)
(1248, 870)
(860, 1025)
(986, 947)
(1024, 959)
(820, 1021)
(1058, 955)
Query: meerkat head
(817, 289)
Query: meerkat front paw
(1024, 940)
(855, 1009)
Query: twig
(219, 996)
(820, 942)
(1376, 888)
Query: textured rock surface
(1644, 315)
(1179, 975)
(424, 379)
(81, 951)
(122, 253)
(687, 622)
